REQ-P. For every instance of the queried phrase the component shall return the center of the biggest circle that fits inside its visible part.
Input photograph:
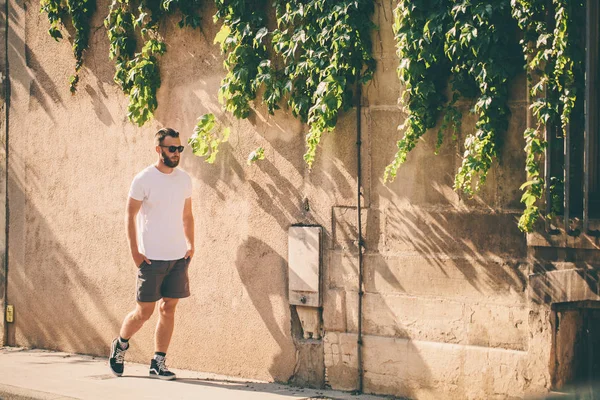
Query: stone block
(417, 318)
(562, 240)
(518, 90)
(428, 370)
(498, 326)
(352, 312)
(510, 173)
(564, 286)
(461, 279)
(345, 227)
(333, 176)
(341, 367)
(384, 42)
(385, 89)
(453, 233)
(342, 271)
(424, 179)
(334, 310)
(446, 321)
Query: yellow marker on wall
(10, 313)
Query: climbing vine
(472, 44)
(137, 73)
(320, 50)
(420, 27)
(78, 13)
(325, 47)
(242, 39)
(436, 38)
(552, 65)
(208, 135)
(478, 46)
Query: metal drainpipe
(360, 239)
(6, 88)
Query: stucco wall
(447, 311)
(72, 159)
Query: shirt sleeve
(136, 191)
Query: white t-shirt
(160, 220)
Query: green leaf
(223, 33)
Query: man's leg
(162, 338)
(132, 323)
(166, 322)
(136, 319)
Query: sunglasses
(173, 149)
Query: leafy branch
(208, 135)
(80, 12)
(138, 73)
(420, 28)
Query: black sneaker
(117, 358)
(159, 370)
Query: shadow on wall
(226, 172)
(279, 198)
(264, 273)
(423, 216)
(392, 363)
(41, 87)
(486, 249)
(26, 70)
(46, 285)
(572, 277)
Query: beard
(168, 162)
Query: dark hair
(159, 137)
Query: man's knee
(143, 313)
(167, 307)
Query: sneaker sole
(163, 378)
(115, 373)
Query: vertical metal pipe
(360, 238)
(589, 81)
(567, 177)
(547, 176)
(7, 92)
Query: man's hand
(189, 254)
(139, 258)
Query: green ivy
(208, 135)
(80, 12)
(242, 39)
(420, 27)
(322, 49)
(551, 66)
(138, 73)
(325, 48)
(537, 48)
(479, 48)
(256, 155)
(437, 38)
(473, 43)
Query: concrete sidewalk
(41, 374)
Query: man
(162, 246)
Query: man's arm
(188, 227)
(133, 207)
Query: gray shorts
(163, 279)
